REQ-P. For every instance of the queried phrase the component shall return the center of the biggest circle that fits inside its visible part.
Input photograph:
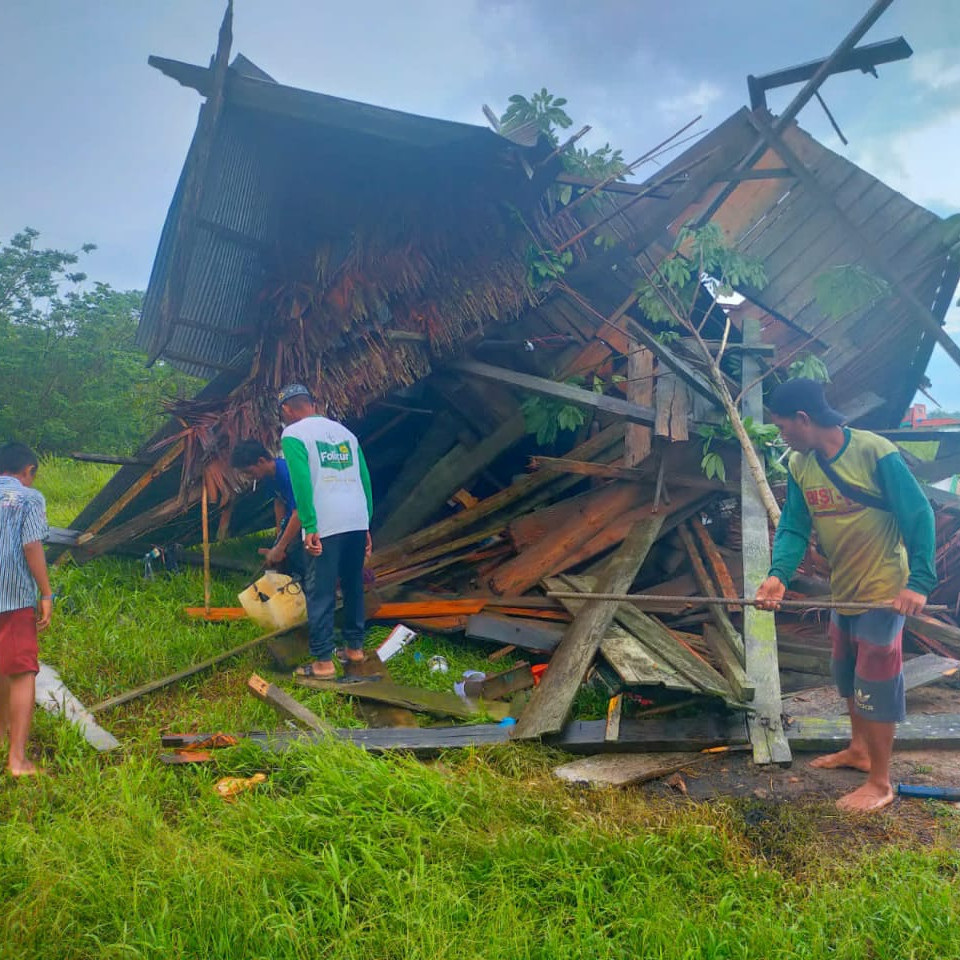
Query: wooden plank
(727, 632)
(553, 698)
(631, 412)
(412, 698)
(730, 664)
(936, 731)
(917, 672)
(943, 633)
(718, 567)
(51, 694)
(551, 553)
(190, 671)
(529, 635)
(455, 470)
(662, 644)
(638, 440)
(419, 609)
(532, 486)
(283, 702)
(654, 735)
(439, 438)
(499, 686)
(759, 628)
(630, 659)
(164, 461)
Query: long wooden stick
(731, 601)
(205, 521)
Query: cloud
(936, 70)
(693, 101)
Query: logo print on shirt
(335, 456)
(826, 501)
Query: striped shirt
(23, 520)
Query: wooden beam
(940, 731)
(631, 412)
(190, 671)
(164, 461)
(552, 699)
(494, 504)
(759, 627)
(441, 703)
(638, 440)
(283, 703)
(111, 459)
(452, 472)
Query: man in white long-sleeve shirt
(332, 489)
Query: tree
(72, 376)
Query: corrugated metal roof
(261, 129)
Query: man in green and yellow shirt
(876, 528)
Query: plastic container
(275, 601)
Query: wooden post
(639, 391)
(205, 521)
(552, 699)
(759, 627)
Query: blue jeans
(342, 558)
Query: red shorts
(18, 642)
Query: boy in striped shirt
(23, 571)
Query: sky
(93, 139)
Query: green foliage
(547, 416)
(72, 376)
(542, 108)
(545, 266)
(698, 256)
(765, 438)
(811, 367)
(848, 288)
(547, 113)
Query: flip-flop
(308, 671)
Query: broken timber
(412, 698)
(283, 703)
(631, 412)
(552, 699)
(759, 627)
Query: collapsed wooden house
(427, 278)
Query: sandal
(308, 671)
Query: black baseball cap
(793, 396)
(292, 390)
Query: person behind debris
(332, 489)
(877, 530)
(251, 458)
(23, 572)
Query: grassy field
(342, 855)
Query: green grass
(344, 855)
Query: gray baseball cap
(292, 390)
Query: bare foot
(867, 799)
(347, 655)
(844, 758)
(24, 769)
(318, 670)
